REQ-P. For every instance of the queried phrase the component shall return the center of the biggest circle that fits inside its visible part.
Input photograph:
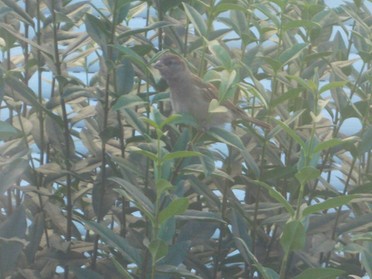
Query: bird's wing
(210, 92)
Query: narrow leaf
(176, 207)
(332, 143)
(7, 131)
(277, 196)
(96, 30)
(158, 249)
(126, 101)
(197, 20)
(200, 215)
(162, 185)
(332, 85)
(320, 273)
(12, 229)
(29, 96)
(266, 273)
(181, 154)
(124, 77)
(289, 54)
(329, 203)
(156, 25)
(233, 140)
(300, 23)
(116, 241)
(24, 39)
(307, 174)
(293, 236)
(121, 269)
(366, 144)
(148, 154)
(135, 194)
(291, 133)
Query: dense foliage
(99, 180)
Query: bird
(191, 95)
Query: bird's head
(171, 66)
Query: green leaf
(186, 119)
(366, 144)
(320, 273)
(35, 234)
(124, 77)
(134, 120)
(121, 269)
(172, 271)
(181, 154)
(170, 120)
(265, 272)
(165, 5)
(97, 30)
(274, 63)
(366, 256)
(357, 110)
(277, 196)
(290, 94)
(306, 84)
(300, 23)
(167, 230)
(327, 204)
(200, 215)
(116, 241)
(289, 54)
(197, 20)
(134, 193)
(223, 6)
(332, 143)
(7, 131)
(332, 85)
(12, 232)
(122, 9)
(176, 207)
(362, 188)
(131, 32)
(357, 223)
(158, 249)
(148, 154)
(307, 174)
(9, 29)
(291, 133)
(126, 101)
(293, 236)
(239, 227)
(11, 172)
(136, 58)
(202, 189)
(176, 253)
(220, 53)
(162, 185)
(233, 140)
(29, 96)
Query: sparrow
(190, 94)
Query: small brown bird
(190, 94)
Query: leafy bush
(100, 180)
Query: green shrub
(99, 180)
